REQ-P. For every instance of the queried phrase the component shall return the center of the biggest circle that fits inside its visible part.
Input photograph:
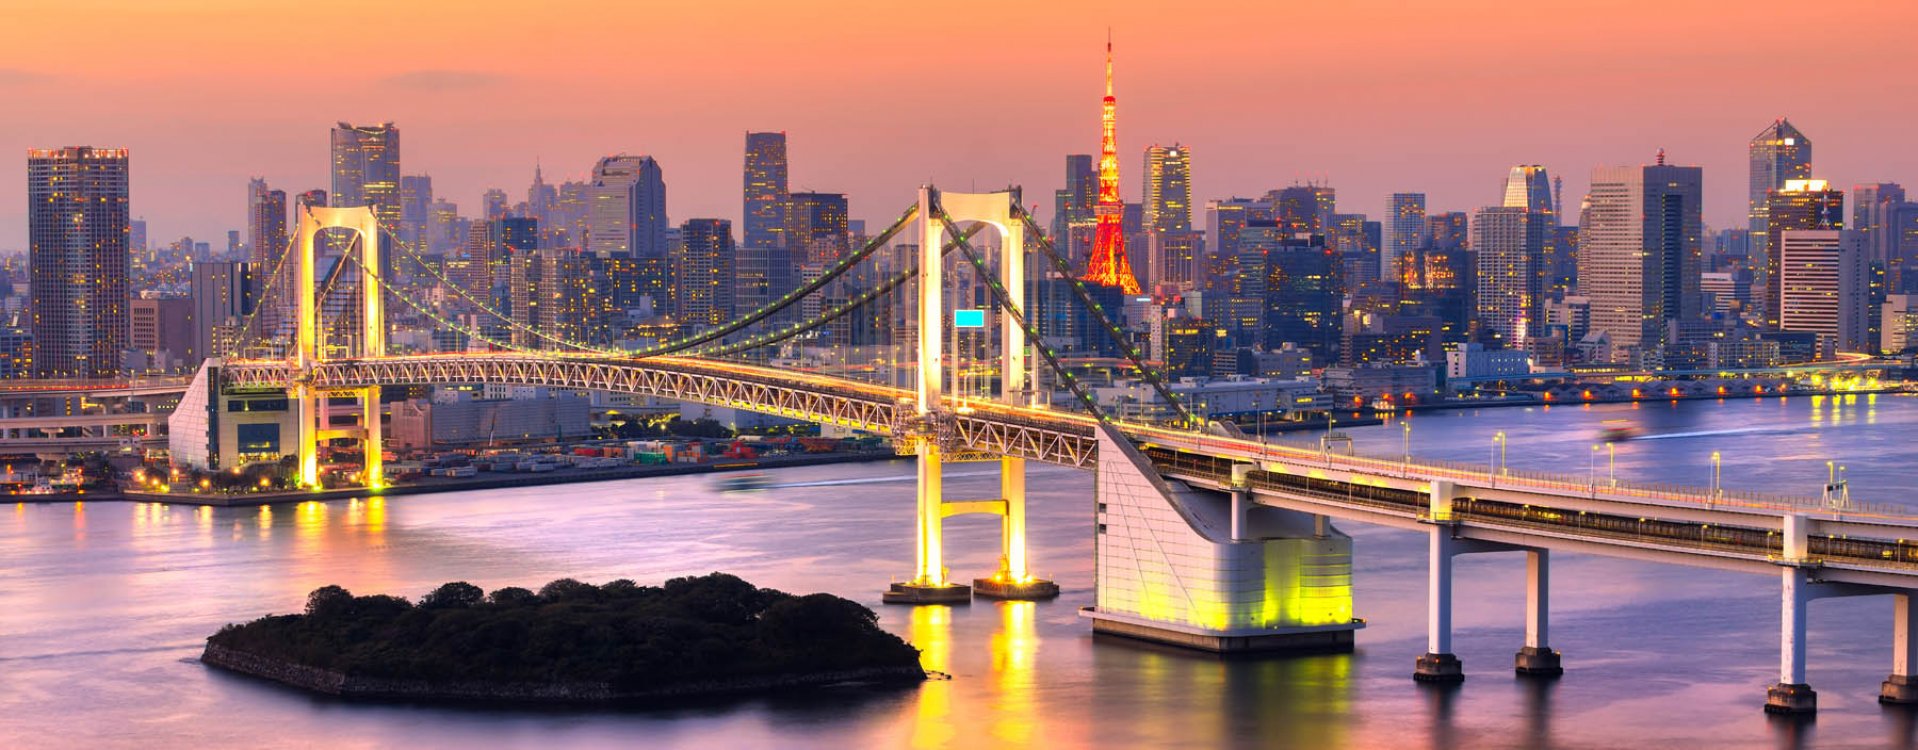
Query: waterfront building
(1229, 398)
(1508, 283)
(1359, 385)
(1640, 250)
(1472, 360)
(1798, 205)
(1900, 326)
(1823, 285)
(78, 256)
(1168, 188)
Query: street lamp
(1408, 444)
(1591, 469)
(1498, 456)
(1611, 464)
(1716, 462)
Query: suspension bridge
(1205, 538)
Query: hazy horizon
(1370, 96)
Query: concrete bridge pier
(1438, 664)
(1536, 658)
(1791, 695)
(1902, 686)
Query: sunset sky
(1372, 96)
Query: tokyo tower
(1108, 265)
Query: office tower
(1823, 285)
(1290, 290)
(1072, 205)
(137, 236)
(1799, 204)
(366, 170)
(314, 198)
(627, 215)
(705, 266)
(1508, 243)
(541, 197)
(223, 297)
(1778, 153)
(235, 247)
(1639, 252)
(77, 251)
(553, 294)
(416, 212)
(493, 204)
(160, 334)
(1357, 243)
(1108, 266)
(265, 223)
(1301, 208)
(1223, 220)
(1404, 235)
(817, 227)
(1168, 188)
(1172, 260)
(1529, 188)
(1875, 211)
(765, 191)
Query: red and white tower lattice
(1108, 265)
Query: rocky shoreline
(344, 685)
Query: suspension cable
(1005, 301)
(1151, 375)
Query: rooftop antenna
(1661, 156)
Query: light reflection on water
(103, 605)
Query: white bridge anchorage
(1205, 539)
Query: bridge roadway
(1735, 531)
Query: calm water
(103, 608)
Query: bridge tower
(310, 404)
(931, 434)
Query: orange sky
(1374, 96)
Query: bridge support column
(372, 442)
(1902, 686)
(929, 584)
(1791, 695)
(1169, 571)
(1537, 657)
(1014, 579)
(1438, 664)
(308, 408)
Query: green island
(570, 642)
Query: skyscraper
(77, 250)
(1823, 278)
(765, 190)
(1404, 236)
(366, 170)
(265, 223)
(1874, 214)
(1640, 249)
(705, 266)
(1508, 301)
(1528, 187)
(628, 212)
(223, 296)
(493, 204)
(1798, 204)
(817, 227)
(416, 211)
(1778, 153)
(1108, 265)
(1168, 188)
(1072, 205)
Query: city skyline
(198, 143)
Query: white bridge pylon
(309, 403)
(932, 438)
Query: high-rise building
(1168, 188)
(1508, 300)
(494, 204)
(1223, 221)
(77, 251)
(416, 212)
(817, 226)
(1875, 211)
(366, 170)
(1528, 187)
(137, 236)
(1823, 285)
(1640, 249)
(223, 297)
(1778, 153)
(540, 199)
(552, 293)
(628, 211)
(705, 267)
(1799, 204)
(265, 223)
(1072, 205)
(1108, 266)
(1295, 280)
(765, 190)
(1302, 208)
(1404, 235)
(160, 334)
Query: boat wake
(1715, 433)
